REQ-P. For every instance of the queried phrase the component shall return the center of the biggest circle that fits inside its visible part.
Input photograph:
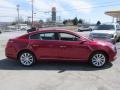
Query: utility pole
(32, 11)
(18, 8)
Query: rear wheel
(26, 58)
(98, 59)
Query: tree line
(77, 21)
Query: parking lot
(54, 75)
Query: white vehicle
(84, 28)
(24, 27)
(107, 32)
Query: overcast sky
(90, 10)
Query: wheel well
(107, 56)
(25, 50)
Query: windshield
(104, 27)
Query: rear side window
(43, 36)
(36, 36)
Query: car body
(84, 28)
(108, 32)
(58, 44)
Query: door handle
(35, 45)
(63, 46)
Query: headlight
(110, 36)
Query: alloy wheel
(26, 59)
(98, 59)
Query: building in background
(54, 14)
(115, 15)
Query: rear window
(43, 36)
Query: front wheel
(26, 59)
(98, 59)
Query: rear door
(45, 45)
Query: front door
(72, 48)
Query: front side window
(43, 36)
(68, 37)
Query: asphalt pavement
(56, 76)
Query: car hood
(101, 42)
(103, 31)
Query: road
(56, 76)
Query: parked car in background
(24, 27)
(59, 44)
(84, 28)
(31, 30)
(107, 32)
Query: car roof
(54, 30)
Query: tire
(79, 30)
(26, 59)
(118, 39)
(98, 59)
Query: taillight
(10, 42)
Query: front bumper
(112, 58)
(112, 55)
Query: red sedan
(59, 44)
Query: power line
(103, 2)
(59, 11)
(7, 7)
(103, 6)
(98, 6)
(8, 16)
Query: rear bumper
(10, 52)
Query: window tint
(36, 36)
(104, 27)
(44, 36)
(68, 37)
